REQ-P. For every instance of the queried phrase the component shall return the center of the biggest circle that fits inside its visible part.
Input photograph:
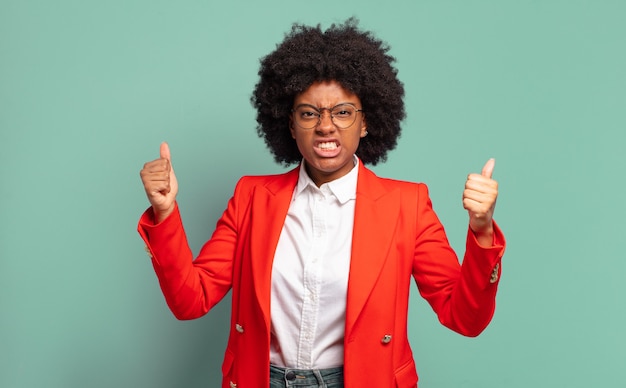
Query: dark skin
(326, 149)
(160, 184)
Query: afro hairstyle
(356, 59)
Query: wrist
(484, 235)
(161, 214)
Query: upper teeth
(328, 145)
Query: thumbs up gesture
(160, 184)
(479, 199)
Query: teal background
(88, 90)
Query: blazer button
(233, 385)
(148, 251)
(386, 339)
(494, 274)
(239, 328)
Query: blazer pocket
(406, 376)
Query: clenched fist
(479, 199)
(160, 184)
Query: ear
(291, 128)
(363, 127)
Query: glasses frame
(320, 112)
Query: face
(327, 150)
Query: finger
(488, 168)
(165, 151)
(477, 208)
(487, 185)
(156, 166)
(480, 197)
(158, 187)
(156, 176)
(471, 204)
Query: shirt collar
(344, 188)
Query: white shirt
(310, 274)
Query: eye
(307, 113)
(343, 111)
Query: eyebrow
(323, 107)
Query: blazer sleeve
(462, 295)
(191, 287)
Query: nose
(326, 122)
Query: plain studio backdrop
(89, 89)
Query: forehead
(326, 94)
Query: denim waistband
(290, 377)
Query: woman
(320, 259)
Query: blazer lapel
(270, 206)
(375, 216)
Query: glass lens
(343, 115)
(306, 116)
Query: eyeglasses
(308, 117)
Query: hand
(479, 199)
(160, 184)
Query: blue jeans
(306, 378)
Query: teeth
(331, 145)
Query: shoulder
(372, 181)
(273, 182)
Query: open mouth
(327, 145)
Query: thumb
(488, 168)
(165, 151)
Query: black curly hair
(356, 59)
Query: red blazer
(396, 235)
